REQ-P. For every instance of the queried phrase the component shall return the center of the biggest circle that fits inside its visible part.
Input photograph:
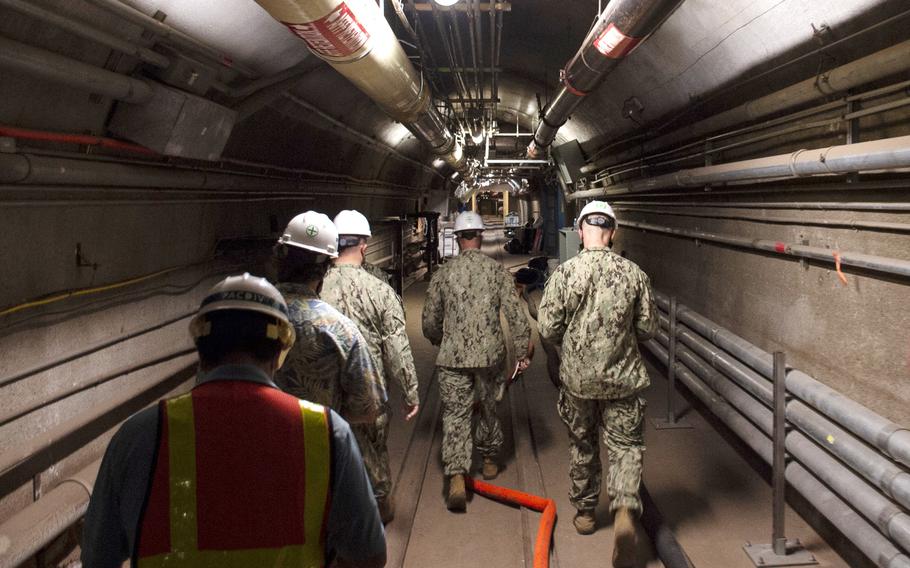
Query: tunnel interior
(757, 155)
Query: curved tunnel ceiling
(703, 46)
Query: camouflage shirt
(374, 270)
(330, 363)
(376, 310)
(462, 308)
(598, 305)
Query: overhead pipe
(881, 64)
(355, 39)
(619, 29)
(884, 514)
(67, 138)
(859, 531)
(56, 68)
(884, 154)
(887, 436)
(28, 531)
(88, 32)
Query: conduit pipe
(167, 34)
(88, 32)
(875, 263)
(884, 154)
(798, 205)
(889, 519)
(888, 477)
(56, 68)
(81, 139)
(619, 29)
(879, 65)
(890, 438)
(36, 526)
(862, 534)
(355, 39)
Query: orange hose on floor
(545, 506)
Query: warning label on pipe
(615, 44)
(336, 35)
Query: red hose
(85, 139)
(546, 506)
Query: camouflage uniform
(597, 306)
(330, 363)
(376, 310)
(461, 315)
(374, 270)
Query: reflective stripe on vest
(170, 532)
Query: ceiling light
(438, 163)
(446, 2)
(477, 138)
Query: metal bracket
(793, 554)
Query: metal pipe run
(892, 480)
(169, 35)
(797, 205)
(862, 534)
(56, 68)
(88, 32)
(879, 65)
(890, 438)
(619, 29)
(36, 526)
(884, 154)
(356, 40)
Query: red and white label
(336, 35)
(614, 44)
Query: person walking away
(598, 306)
(331, 363)
(235, 472)
(462, 316)
(376, 309)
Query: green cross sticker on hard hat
(312, 230)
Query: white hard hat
(312, 231)
(599, 207)
(251, 293)
(350, 222)
(468, 221)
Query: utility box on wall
(176, 123)
(569, 243)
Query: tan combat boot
(490, 468)
(456, 499)
(584, 521)
(625, 539)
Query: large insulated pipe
(620, 28)
(884, 154)
(891, 438)
(35, 526)
(878, 65)
(56, 68)
(862, 534)
(355, 39)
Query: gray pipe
(892, 439)
(170, 35)
(863, 535)
(86, 31)
(59, 69)
(887, 153)
(891, 479)
(884, 63)
(619, 29)
(885, 514)
(37, 525)
(886, 265)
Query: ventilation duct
(353, 37)
(620, 28)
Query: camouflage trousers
(622, 423)
(459, 389)
(372, 439)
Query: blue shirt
(354, 530)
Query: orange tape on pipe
(546, 506)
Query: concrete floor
(709, 494)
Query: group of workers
(278, 456)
